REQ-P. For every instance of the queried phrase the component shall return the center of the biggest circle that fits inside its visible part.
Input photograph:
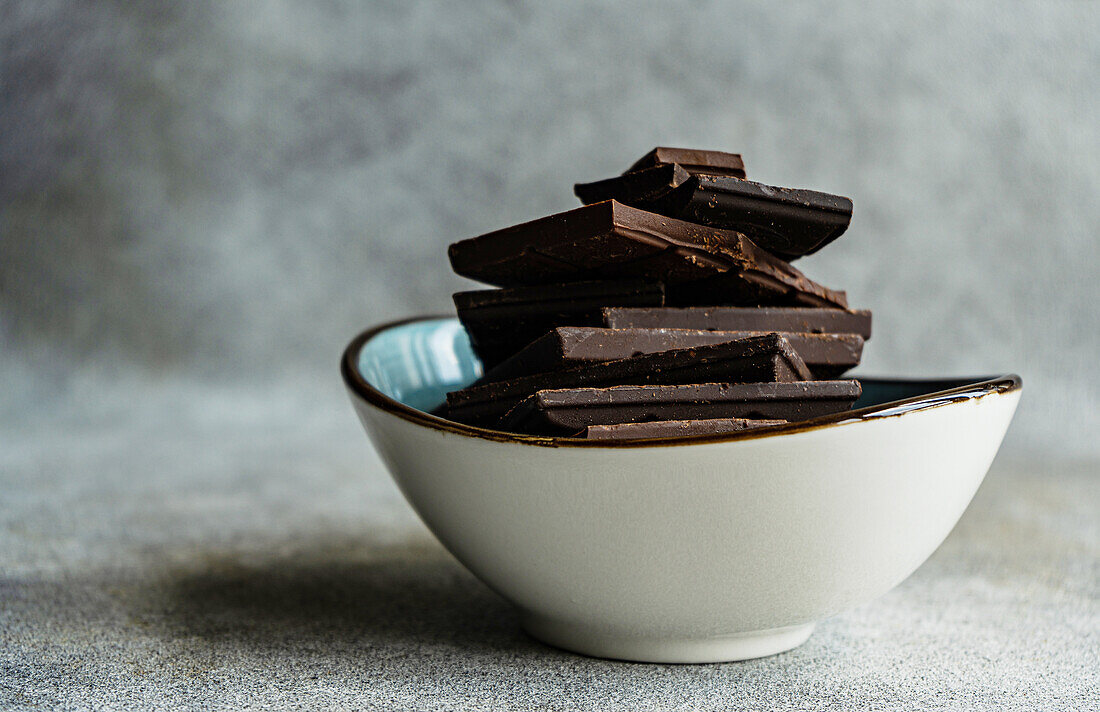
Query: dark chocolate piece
(612, 241)
(673, 428)
(751, 360)
(826, 355)
(693, 161)
(812, 321)
(500, 322)
(788, 222)
(631, 188)
(572, 410)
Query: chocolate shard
(751, 360)
(568, 411)
(673, 428)
(646, 185)
(788, 222)
(610, 240)
(813, 321)
(693, 160)
(826, 355)
(500, 322)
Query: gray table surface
(209, 548)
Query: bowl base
(719, 649)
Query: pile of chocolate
(667, 305)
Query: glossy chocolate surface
(501, 322)
(693, 160)
(826, 355)
(609, 240)
(565, 411)
(767, 358)
(788, 222)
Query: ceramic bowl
(701, 549)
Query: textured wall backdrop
(225, 192)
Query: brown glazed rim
(358, 385)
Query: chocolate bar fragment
(612, 241)
(693, 161)
(751, 360)
(500, 322)
(787, 222)
(647, 185)
(826, 355)
(673, 428)
(568, 411)
(811, 321)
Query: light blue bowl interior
(419, 362)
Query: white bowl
(698, 549)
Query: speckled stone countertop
(223, 551)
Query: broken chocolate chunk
(752, 360)
(568, 411)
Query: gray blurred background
(202, 199)
(202, 202)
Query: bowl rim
(970, 389)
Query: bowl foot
(726, 648)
